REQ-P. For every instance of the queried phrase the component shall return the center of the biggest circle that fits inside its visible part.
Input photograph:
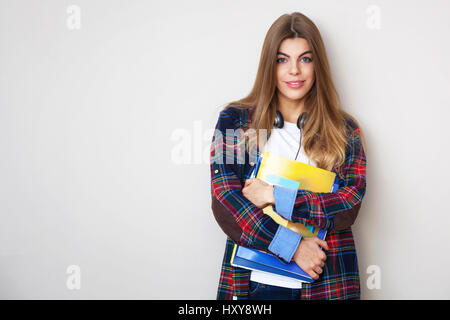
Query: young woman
(295, 102)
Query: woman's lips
(295, 84)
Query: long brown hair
(324, 134)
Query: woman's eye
(281, 60)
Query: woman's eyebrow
(284, 54)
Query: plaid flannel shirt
(247, 225)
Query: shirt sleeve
(325, 210)
(239, 218)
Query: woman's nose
(294, 69)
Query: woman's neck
(290, 109)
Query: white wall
(88, 119)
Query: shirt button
(216, 171)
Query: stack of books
(278, 170)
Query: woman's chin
(293, 97)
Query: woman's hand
(259, 192)
(310, 257)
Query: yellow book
(310, 177)
(275, 169)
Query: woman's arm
(239, 218)
(336, 210)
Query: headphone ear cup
(279, 121)
(301, 120)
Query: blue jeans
(261, 291)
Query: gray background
(89, 120)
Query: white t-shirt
(283, 142)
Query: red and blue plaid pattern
(340, 277)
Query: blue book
(253, 259)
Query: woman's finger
(313, 274)
(248, 182)
(318, 270)
(322, 243)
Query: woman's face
(294, 64)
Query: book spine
(234, 253)
(258, 163)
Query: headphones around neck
(279, 123)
